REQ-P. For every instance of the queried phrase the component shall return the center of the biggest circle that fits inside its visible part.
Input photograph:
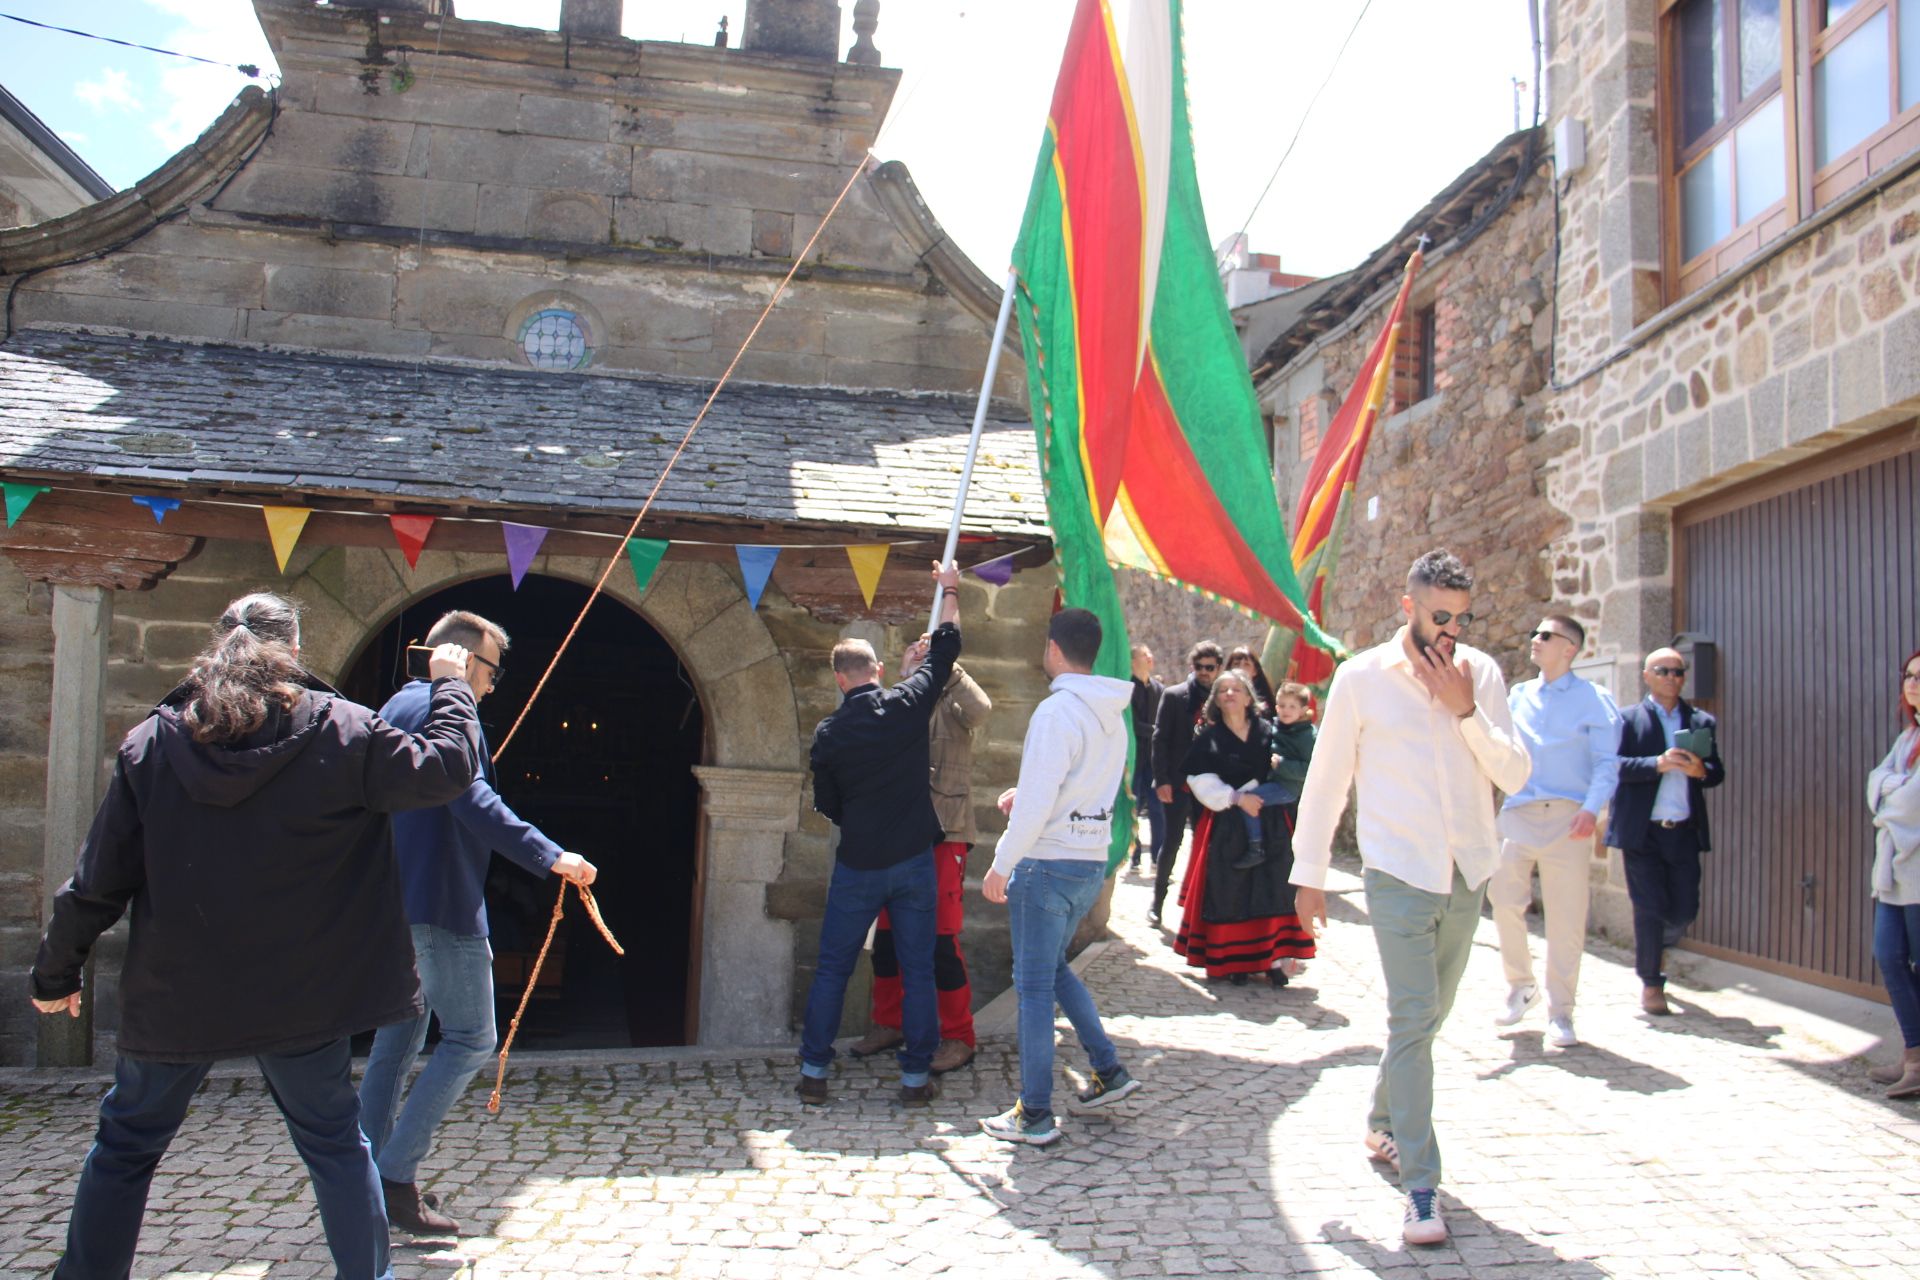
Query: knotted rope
(553, 927)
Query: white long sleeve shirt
(1425, 776)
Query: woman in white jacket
(1893, 795)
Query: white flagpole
(973, 442)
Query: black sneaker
(1253, 857)
(1105, 1090)
(812, 1090)
(919, 1095)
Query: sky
(1424, 90)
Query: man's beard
(1427, 636)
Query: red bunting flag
(411, 533)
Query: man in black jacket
(1659, 821)
(1180, 710)
(870, 762)
(246, 826)
(1147, 692)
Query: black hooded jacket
(266, 904)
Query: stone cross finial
(866, 17)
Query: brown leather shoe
(812, 1091)
(1653, 1000)
(407, 1211)
(1887, 1075)
(919, 1095)
(1908, 1085)
(878, 1040)
(951, 1056)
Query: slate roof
(141, 409)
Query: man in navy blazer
(443, 855)
(1659, 821)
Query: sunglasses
(1441, 618)
(499, 672)
(1672, 673)
(1551, 635)
(1907, 676)
(1206, 666)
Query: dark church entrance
(603, 766)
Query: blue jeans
(1269, 793)
(1046, 900)
(456, 980)
(142, 1112)
(854, 899)
(1896, 949)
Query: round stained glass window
(555, 339)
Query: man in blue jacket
(443, 855)
(1660, 817)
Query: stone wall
(432, 216)
(1460, 469)
(26, 690)
(763, 679)
(1171, 621)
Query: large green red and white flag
(1151, 444)
(1326, 496)
(1150, 433)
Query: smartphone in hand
(419, 656)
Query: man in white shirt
(1420, 725)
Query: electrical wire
(1304, 117)
(247, 69)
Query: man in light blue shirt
(1572, 731)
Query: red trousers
(951, 986)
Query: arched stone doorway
(741, 959)
(603, 765)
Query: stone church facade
(490, 274)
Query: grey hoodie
(1070, 773)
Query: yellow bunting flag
(867, 564)
(283, 526)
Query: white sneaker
(1423, 1224)
(1519, 1000)
(1560, 1031)
(1382, 1149)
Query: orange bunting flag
(868, 562)
(411, 533)
(283, 527)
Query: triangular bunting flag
(523, 544)
(161, 507)
(19, 498)
(283, 527)
(867, 563)
(998, 571)
(644, 554)
(756, 566)
(411, 533)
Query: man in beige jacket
(963, 708)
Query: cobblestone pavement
(1730, 1140)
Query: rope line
(553, 927)
(665, 471)
(244, 68)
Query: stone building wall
(1462, 468)
(763, 679)
(1170, 621)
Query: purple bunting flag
(998, 571)
(523, 544)
(756, 566)
(161, 507)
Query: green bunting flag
(645, 555)
(19, 498)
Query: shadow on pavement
(1614, 1070)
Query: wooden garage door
(1809, 594)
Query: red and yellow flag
(1327, 495)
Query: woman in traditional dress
(1237, 913)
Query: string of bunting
(522, 543)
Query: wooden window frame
(1807, 191)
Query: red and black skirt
(1240, 921)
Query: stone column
(591, 17)
(82, 626)
(793, 28)
(746, 956)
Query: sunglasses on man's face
(499, 672)
(1206, 667)
(1441, 618)
(1671, 673)
(1551, 635)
